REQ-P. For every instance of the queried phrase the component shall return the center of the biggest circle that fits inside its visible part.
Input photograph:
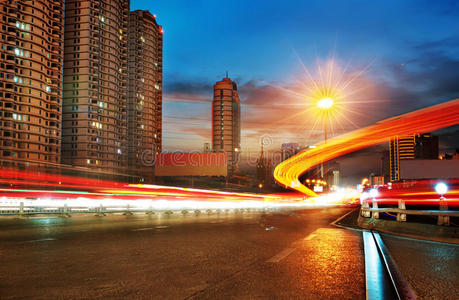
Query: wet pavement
(431, 268)
(240, 256)
(246, 255)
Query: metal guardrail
(443, 213)
(67, 211)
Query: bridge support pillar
(100, 211)
(375, 214)
(65, 212)
(401, 217)
(128, 211)
(365, 213)
(443, 220)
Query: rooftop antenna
(226, 74)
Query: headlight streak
(115, 196)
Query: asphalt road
(431, 268)
(239, 256)
(296, 255)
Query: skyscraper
(416, 146)
(30, 81)
(94, 116)
(400, 148)
(145, 43)
(226, 121)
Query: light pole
(324, 104)
(441, 190)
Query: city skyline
(268, 48)
(277, 107)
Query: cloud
(177, 89)
(431, 75)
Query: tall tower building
(145, 44)
(94, 115)
(416, 146)
(400, 148)
(30, 81)
(226, 121)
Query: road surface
(239, 256)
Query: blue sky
(407, 49)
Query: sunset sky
(402, 55)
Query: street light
(374, 193)
(325, 104)
(441, 189)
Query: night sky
(405, 55)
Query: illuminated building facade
(226, 122)
(30, 81)
(400, 148)
(416, 146)
(94, 116)
(145, 42)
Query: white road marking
(283, 254)
(287, 251)
(310, 237)
(41, 240)
(161, 227)
(342, 217)
(143, 229)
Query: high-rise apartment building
(94, 116)
(226, 121)
(416, 146)
(30, 81)
(400, 148)
(145, 43)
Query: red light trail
(427, 119)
